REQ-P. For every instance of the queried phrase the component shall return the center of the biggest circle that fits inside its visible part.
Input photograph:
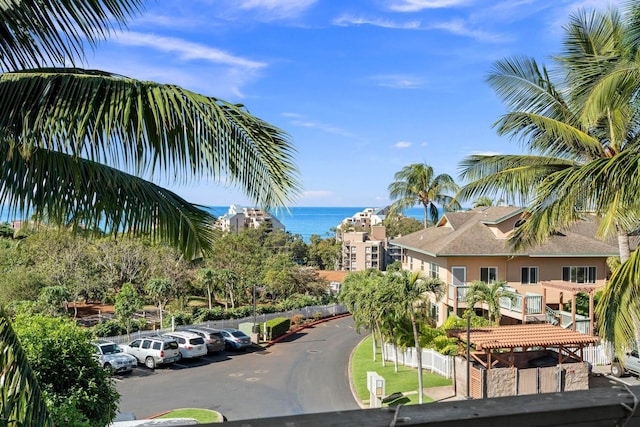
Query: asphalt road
(306, 373)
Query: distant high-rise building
(241, 218)
(364, 241)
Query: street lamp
(468, 355)
(254, 309)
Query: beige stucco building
(473, 245)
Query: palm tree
(416, 184)
(586, 132)
(576, 134)
(358, 294)
(410, 288)
(21, 399)
(77, 145)
(489, 294)
(160, 290)
(206, 278)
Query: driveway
(305, 373)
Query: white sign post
(375, 385)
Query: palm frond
(593, 45)
(619, 305)
(21, 400)
(550, 136)
(145, 126)
(79, 192)
(524, 86)
(33, 32)
(513, 177)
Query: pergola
(498, 343)
(574, 289)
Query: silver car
(235, 339)
(154, 351)
(111, 357)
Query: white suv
(631, 365)
(191, 345)
(153, 351)
(111, 357)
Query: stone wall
(576, 376)
(460, 375)
(501, 382)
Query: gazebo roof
(525, 336)
(569, 286)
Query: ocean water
(306, 221)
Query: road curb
(301, 327)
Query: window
(529, 275)
(459, 275)
(135, 344)
(411, 263)
(146, 344)
(422, 265)
(579, 274)
(488, 274)
(434, 270)
(435, 311)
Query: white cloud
(346, 20)
(312, 194)
(485, 153)
(402, 144)
(398, 81)
(460, 28)
(424, 144)
(418, 5)
(302, 121)
(277, 9)
(187, 51)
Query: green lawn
(201, 415)
(405, 380)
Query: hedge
(276, 327)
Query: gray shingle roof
(468, 233)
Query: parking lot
(305, 373)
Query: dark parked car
(212, 337)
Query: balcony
(563, 319)
(533, 303)
(457, 292)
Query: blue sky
(363, 88)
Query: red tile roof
(525, 336)
(333, 276)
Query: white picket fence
(431, 359)
(599, 354)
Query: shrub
(239, 312)
(266, 308)
(297, 319)
(277, 327)
(204, 314)
(181, 319)
(78, 391)
(109, 328)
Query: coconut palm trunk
(414, 325)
